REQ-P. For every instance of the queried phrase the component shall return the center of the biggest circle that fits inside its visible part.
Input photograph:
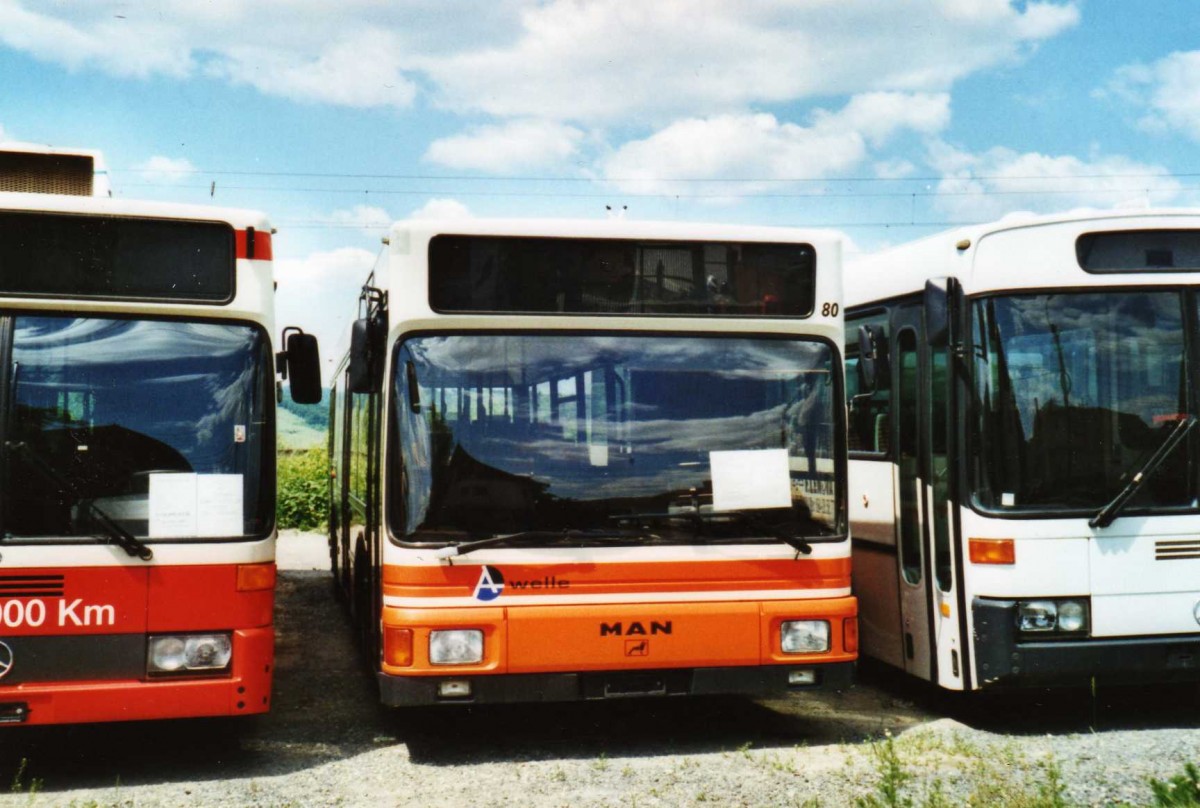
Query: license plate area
(14, 712)
(636, 684)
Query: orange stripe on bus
(562, 579)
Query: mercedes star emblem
(1195, 613)
(6, 659)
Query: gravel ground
(327, 742)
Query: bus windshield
(1074, 392)
(688, 436)
(162, 426)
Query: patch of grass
(985, 778)
(1181, 791)
(20, 786)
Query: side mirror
(366, 353)
(872, 360)
(300, 363)
(942, 296)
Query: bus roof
(903, 269)
(239, 218)
(615, 228)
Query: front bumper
(760, 681)
(245, 690)
(1003, 659)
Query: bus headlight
(1066, 616)
(189, 653)
(804, 636)
(456, 647)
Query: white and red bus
(137, 457)
(1024, 475)
(595, 459)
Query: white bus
(1025, 484)
(595, 459)
(137, 457)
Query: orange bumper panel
(544, 639)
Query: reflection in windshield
(1074, 393)
(519, 433)
(110, 405)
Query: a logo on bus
(6, 659)
(491, 584)
(1196, 612)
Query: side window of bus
(337, 443)
(869, 413)
(360, 410)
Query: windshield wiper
(116, 534)
(800, 542)
(1106, 515)
(534, 536)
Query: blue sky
(886, 120)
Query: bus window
(868, 414)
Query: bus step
(14, 712)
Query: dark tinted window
(1074, 393)
(109, 257)
(1144, 250)
(598, 276)
(507, 433)
(164, 426)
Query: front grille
(1176, 550)
(31, 586)
(33, 173)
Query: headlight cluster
(456, 647)
(804, 636)
(189, 653)
(1060, 616)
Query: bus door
(937, 450)
(908, 376)
(929, 619)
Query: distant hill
(296, 434)
(302, 426)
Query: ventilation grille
(1173, 550)
(27, 173)
(31, 586)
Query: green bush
(302, 501)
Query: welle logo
(491, 584)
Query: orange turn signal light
(993, 551)
(850, 635)
(255, 577)
(397, 647)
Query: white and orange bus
(595, 459)
(137, 456)
(1024, 485)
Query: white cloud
(363, 69)
(318, 293)
(371, 220)
(160, 169)
(1168, 91)
(441, 209)
(560, 60)
(508, 147)
(735, 148)
(601, 60)
(981, 187)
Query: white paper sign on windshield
(750, 478)
(172, 506)
(195, 505)
(219, 505)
